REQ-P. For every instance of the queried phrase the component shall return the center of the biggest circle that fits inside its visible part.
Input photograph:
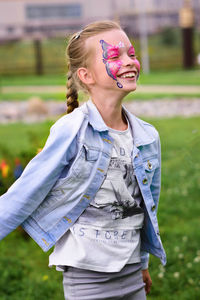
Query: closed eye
(131, 51)
(132, 55)
(113, 57)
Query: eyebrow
(113, 51)
(131, 48)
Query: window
(10, 29)
(132, 3)
(53, 11)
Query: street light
(186, 21)
(143, 34)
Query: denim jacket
(59, 183)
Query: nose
(127, 61)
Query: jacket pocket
(85, 161)
(66, 192)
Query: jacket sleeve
(144, 260)
(155, 188)
(39, 176)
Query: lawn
(173, 77)
(181, 78)
(24, 267)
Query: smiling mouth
(130, 75)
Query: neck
(110, 108)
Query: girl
(93, 190)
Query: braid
(72, 94)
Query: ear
(85, 76)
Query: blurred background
(33, 31)
(33, 67)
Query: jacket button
(149, 165)
(145, 181)
(153, 207)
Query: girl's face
(113, 63)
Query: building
(45, 18)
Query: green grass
(82, 97)
(22, 138)
(23, 96)
(23, 266)
(180, 77)
(19, 80)
(157, 96)
(175, 77)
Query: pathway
(177, 89)
(30, 111)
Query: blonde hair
(78, 56)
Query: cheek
(113, 68)
(137, 64)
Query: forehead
(112, 37)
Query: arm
(25, 195)
(147, 280)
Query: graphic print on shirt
(120, 190)
(123, 208)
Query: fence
(48, 56)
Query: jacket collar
(141, 134)
(139, 130)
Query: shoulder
(143, 130)
(148, 127)
(69, 123)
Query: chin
(130, 88)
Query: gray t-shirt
(107, 235)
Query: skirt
(80, 284)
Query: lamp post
(186, 21)
(143, 34)
(38, 56)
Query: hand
(147, 280)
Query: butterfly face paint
(131, 53)
(112, 67)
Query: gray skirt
(80, 284)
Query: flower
(176, 275)
(45, 277)
(160, 275)
(176, 249)
(162, 268)
(185, 238)
(181, 256)
(190, 281)
(197, 259)
(189, 265)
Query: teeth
(128, 75)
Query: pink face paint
(131, 52)
(112, 67)
(121, 44)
